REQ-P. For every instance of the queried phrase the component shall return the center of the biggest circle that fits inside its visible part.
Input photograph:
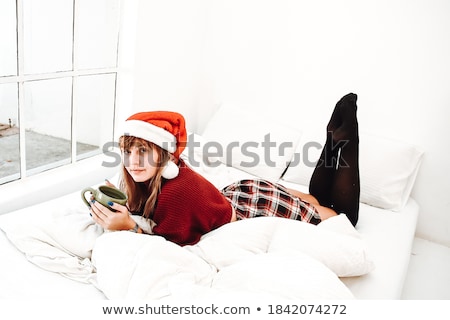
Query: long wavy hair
(142, 196)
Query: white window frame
(21, 78)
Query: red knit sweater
(188, 207)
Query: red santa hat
(166, 129)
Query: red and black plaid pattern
(260, 198)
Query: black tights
(335, 181)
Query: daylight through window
(58, 72)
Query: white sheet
(125, 265)
(152, 268)
(26, 276)
(388, 236)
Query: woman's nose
(134, 158)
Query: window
(58, 72)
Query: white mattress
(389, 236)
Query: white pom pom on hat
(166, 129)
(170, 171)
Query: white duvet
(264, 257)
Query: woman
(184, 206)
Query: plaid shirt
(259, 198)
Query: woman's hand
(110, 220)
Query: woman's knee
(325, 212)
(304, 197)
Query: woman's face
(141, 162)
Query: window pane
(9, 133)
(8, 42)
(97, 25)
(47, 123)
(94, 99)
(48, 34)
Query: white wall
(169, 56)
(301, 57)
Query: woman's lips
(137, 170)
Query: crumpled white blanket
(272, 257)
(58, 240)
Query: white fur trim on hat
(152, 133)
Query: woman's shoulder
(187, 173)
(187, 179)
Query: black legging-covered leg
(335, 181)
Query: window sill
(54, 183)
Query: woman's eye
(142, 150)
(126, 151)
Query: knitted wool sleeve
(188, 207)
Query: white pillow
(388, 168)
(251, 141)
(195, 155)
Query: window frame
(21, 78)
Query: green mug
(104, 195)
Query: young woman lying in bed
(184, 206)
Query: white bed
(53, 249)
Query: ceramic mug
(104, 195)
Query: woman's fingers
(99, 210)
(118, 207)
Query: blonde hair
(142, 196)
